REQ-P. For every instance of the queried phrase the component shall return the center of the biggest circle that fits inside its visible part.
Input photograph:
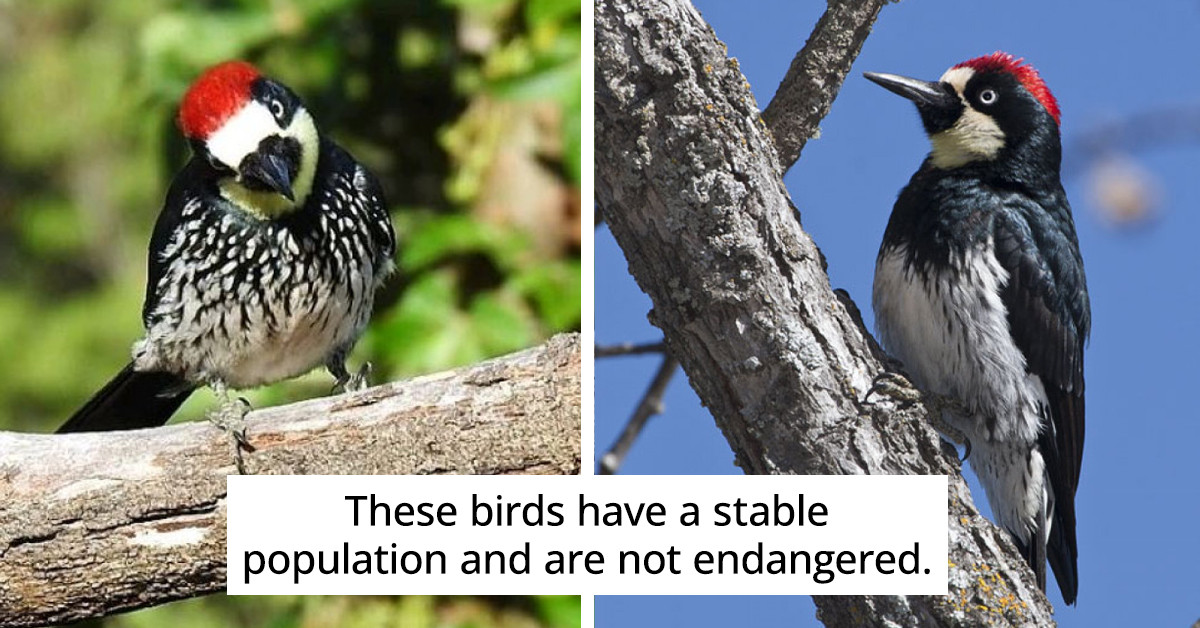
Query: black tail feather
(1059, 551)
(1034, 553)
(132, 400)
(1062, 553)
(1062, 472)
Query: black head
(986, 109)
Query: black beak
(926, 95)
(273, 166)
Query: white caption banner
(828, 535)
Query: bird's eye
(277, 109)
(988, 97)
(216, 163)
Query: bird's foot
(952, 433)
(354, 383)
(895, 387)
(898, 388)
(230, 418)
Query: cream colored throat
(265, 205)
(973, 137)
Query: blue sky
(1139, 501)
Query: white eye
(276, 108)
(216, 163)
(988, 96)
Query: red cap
(217, 94)
(1004, 62)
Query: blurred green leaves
(412, 611)
(561, 611)
(479, 290)
(467, 110)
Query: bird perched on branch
(980, 292)
(263, 263)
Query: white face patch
(241, 135)
(957, 78)
(974, 136)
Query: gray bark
(689, 183)
(807, 90)
(94, 524)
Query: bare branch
(816, 74)
(628, 348)
(1153, 128)
(650, 405)
(690, 185)
(94, 524)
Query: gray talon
(230, 418)
(904, 392)
(360, 380)
(347, 383)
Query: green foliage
(468, 110)
(413, 611)
(448, 317)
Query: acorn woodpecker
(980, 292)
(263, 263)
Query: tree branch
(690, 185)
(1157, 127)
(807, 90)
(94, 524)
(628, 348)
(650, 405)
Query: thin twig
(628, 348)
(651, 404)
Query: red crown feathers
(215, 96)
(1004, 62)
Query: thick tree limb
(807, 90)
(690, 185)
(93, 524)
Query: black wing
(187, 187)
(1049, 318)
(379, 220)
(336, 161)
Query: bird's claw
(230, 418)
(898, 388)
(895, 386)
(952, 433)
(354, 383)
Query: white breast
(950, 330)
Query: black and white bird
(980, 292)
(263, 263)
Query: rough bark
(93, 524)
(689, 183)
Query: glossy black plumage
(130, 401)
(982, 241)
(1046, 299)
